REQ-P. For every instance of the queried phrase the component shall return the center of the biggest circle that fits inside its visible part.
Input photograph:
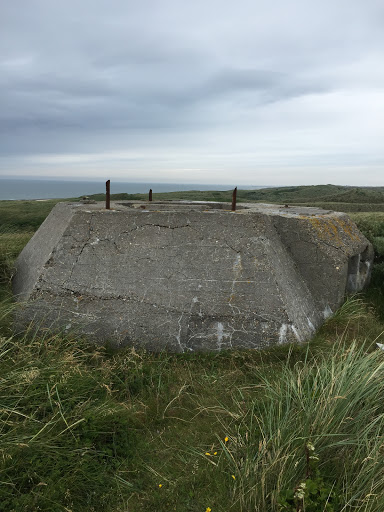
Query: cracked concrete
(189, 276)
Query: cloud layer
(248, 92)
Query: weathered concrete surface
(190, 276)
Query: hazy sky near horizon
(248, 92)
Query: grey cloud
(86, 101)
(77, 75)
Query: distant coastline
(23, 188)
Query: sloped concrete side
(302, 310)
(37, 252)
(177, 280)
(324, 248)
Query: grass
(85, 428)
(90, 429)
(372, 225)
(19, 216)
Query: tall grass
(11, 244)
(372, 225)
(84, 428)
(333, 401)
(64, 431)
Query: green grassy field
(333, 197)
(89, 429)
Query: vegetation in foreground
(299, 427)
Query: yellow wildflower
(233, 476)
(160, 486)
(208, 509)
(226, 439)
(207, 453)
(215, 453)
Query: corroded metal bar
(234, 199)
(150, 194)
(108, 195)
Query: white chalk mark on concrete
(296, 333)
(283, 334)
(327, 312)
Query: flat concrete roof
(205, 206)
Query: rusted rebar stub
(150, 195)
(108, 195)
(234, 199)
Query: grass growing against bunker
(88, 429)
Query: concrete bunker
(188, 276)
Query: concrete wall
(190, 276)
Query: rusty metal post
(108, 195)
(150, 194)
(234, 199)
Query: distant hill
(333, 197)
(318, 193)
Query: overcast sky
(262, 92)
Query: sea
(16, 189)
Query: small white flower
(300, 491)
(310, 446)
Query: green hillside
(318, 193)
(327, 196)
